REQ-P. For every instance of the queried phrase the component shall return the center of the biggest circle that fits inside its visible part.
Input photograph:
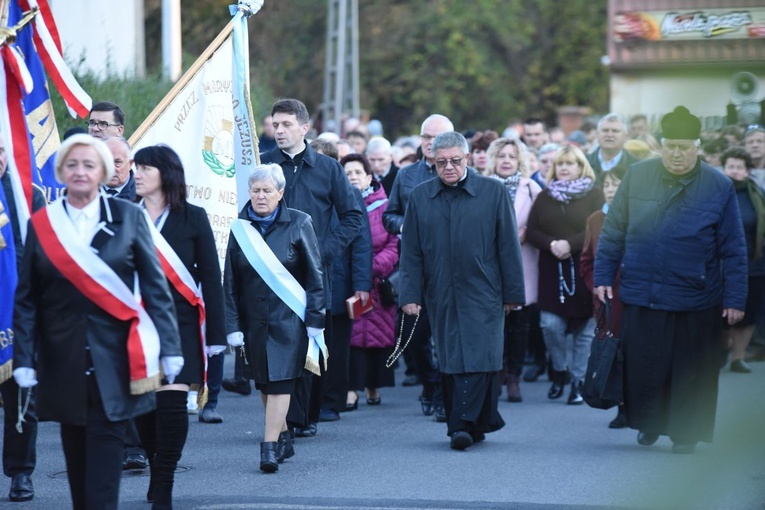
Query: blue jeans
(569, 350)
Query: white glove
(25, 377)
(235, 339)
(172, 366)
(313, 332)
(214, 350)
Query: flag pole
(182, 82)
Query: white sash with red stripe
(180, 278)
(75, 260)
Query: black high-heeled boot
(558, 384)
(284, 447)
(172, 429)
(268, 462)
(147, 432)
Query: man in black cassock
(460, 257)
(674, 232)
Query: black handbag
(603, 383)
(387, 289)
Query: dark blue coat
(679, 240)
(318, 187)
(353, 270)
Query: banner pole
(182, 82)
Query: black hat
(680, 125)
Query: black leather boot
(268, 462)
(172, 429)
(284, 447)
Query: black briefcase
(603, 383)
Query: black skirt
(671, 366)
(367, 368)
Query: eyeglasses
(441, 163)
(100, 124)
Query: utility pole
(341, 71)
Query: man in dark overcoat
(462, 260)
(674, 230)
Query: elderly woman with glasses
(274, 301)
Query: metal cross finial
(8, 34)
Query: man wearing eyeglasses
(460, 257)
(674, 230)
(106, 120)
(407, 178)
(754, 143)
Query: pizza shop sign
(713, 23)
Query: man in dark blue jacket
(674, 230)
(316, 185)
(406, 180)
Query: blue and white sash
(280, 280)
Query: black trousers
(214, 379)
(307, 398)
(471, 402)
(517, 330)
(335, 381)
(423, 354)
(94, 455)
(19, 450)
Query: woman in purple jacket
(373, 335)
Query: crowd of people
(485, 259)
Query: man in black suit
(19, 450)
(612, 133)
(380, 158)
(122, 185)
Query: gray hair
(439, 117)
(378, 144)
(548, 147)
(448, 140)
(270, 171)
(613, 117)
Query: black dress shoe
(477, 437)
(646, 439)
(556, 391)
(328, 415)
(740, 366)
(308, 431)
(234, 386)
(427, 406)
(135, 461)
(575, 397)
(350, 407)
(21, 488)
(374, 401)
(460, 440)
(440, 413)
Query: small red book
(355, 308)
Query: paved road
(549, 455)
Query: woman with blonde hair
(508, 162)
(556, 226)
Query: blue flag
(41, 121)
(8, 281)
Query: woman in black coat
(277, 336)
(737, 164)
(74, 316)
(187, 252)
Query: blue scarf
(263, 222)
(8, 280)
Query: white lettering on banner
(709, 25)
(185, 110)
